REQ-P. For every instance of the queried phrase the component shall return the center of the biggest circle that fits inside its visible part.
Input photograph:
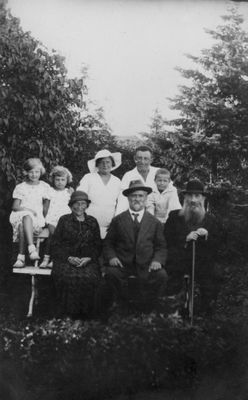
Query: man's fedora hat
(195, 186)
(116, 158)
(136, 185)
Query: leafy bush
(230, 204)
(87, 360)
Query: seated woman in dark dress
(76, 246)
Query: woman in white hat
(102, 187)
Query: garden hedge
(95, 360)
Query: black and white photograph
(123, 199)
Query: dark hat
(195, 186)
(136, 185)
(78, 195)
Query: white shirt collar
(169, 188)
(140, 214)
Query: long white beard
(193, 216)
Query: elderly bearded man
(135, 246)
(194, 223)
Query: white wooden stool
(33, 271)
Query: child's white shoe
(33, 254)
(45, 262)
(50, 265)
(20, 262)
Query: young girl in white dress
(30, 205)
(60, 197)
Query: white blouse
(32, 196)
(103, 198)
(58, 205)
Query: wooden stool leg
(31, 301)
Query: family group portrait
(123, 200)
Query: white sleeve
(174, 203)
(122, 202)
(84, 184)
(47, 191)
(150, 205)
(18, 192)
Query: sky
(131, 48)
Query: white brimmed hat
(102, 154)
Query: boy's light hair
(31, 163)
(60, 171)
(162, 171)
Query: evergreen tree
(211, 131)
(162, 139)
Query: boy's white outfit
(160, 204)
(122, 204)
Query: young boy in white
(164, 198)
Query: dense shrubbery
(230, 203)
(87, 360)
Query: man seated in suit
(193, 223)
(135, 247)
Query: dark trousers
(207, 283)
(126, 285)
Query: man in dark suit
(135, 247)
(194, 224)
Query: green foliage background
(210, 135)
(43, 113)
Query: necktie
(136, 224)
(136, 227)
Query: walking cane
(192, 284)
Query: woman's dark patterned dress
(76, 286)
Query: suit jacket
(207, 251)
(150, 245)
